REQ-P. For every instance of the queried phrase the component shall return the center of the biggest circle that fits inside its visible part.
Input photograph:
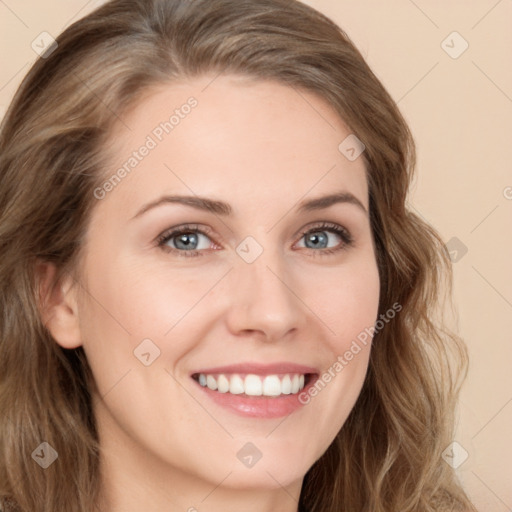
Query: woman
(174, 334)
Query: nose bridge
(263, 299)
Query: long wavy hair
(388, 455)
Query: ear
(58, 305)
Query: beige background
(460, 112)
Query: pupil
(185, 239)
(316, 238)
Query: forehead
(252, 142)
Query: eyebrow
(224, 209)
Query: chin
(265, 478)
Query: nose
(264, 298)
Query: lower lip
(258, 406)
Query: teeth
(286, 385)
(295, 384)
(223, 384)
(271, 386)
(254, 385)
(211, 382)
(236, 385)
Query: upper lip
(259, 369)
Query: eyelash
(194, 228)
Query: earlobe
(58, 305)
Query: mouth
(263, 391)
(252, 385)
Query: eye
(186, 240)
(317, 237)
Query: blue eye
(318, 237)
(186, 240)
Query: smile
(253, 385)
(256, 390)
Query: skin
(262, 147)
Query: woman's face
(242, 299)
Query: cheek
(136, 303)
(139, 301)
(347, 302)
(128, 303)
(348, 308)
